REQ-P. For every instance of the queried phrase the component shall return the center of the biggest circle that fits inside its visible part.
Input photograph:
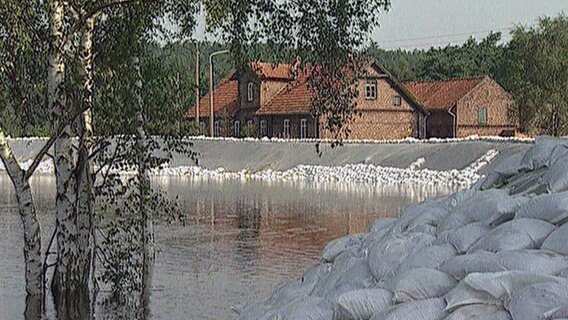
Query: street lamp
(211, 92)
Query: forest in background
(532, 66)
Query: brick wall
(491, 96)
(381, 118)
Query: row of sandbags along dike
(498, 250)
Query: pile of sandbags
(496, 251)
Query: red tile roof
(442, 94)
(225, 99)
(294, 98)
(266, 70)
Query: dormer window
(250, 94)
(371, 90)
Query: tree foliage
(537, 74)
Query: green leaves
(537, 69)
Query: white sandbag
(480, 261)
(310, 308)
(290, 290)
(558, 313)
(556, 176)
(431, 309)
(428, 257)
(379, 230)
(503, 285)
(514, 235)
(334, 248)
(315, 273)
(381, 224)
(464, 295)
(491, 207)
(387, 255)
(533, 261)
(480, 312)
(464, 237)
(361, 304)
(534, 301)
(557, 241)
(421, 284)
(428, 222)
(552, 208)
(541, 153)
(350, 272)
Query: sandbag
(514, 235)
(337, 246)
(381, 224)
(556, 177)
(386, 255)
(480, 261)
(349, 272)
(421, 284)
(310, 308)
(464, 237)
(361, 304)
(552, 208)
(412, 216)
(503, 285)
(288, 291)
(492, 207)
(480, 312)
(558, 313)
(428, 222)
(533, 261)
(534, 301)
(379, 230)
(430, 309)
(428, 257)
(541, 153)
(464, 295)
(557, 241)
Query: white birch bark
(84, 171)
(148, 254)
(64, 284)
(27, 210)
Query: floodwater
(241, 238)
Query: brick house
(464, 107)
(271, 101)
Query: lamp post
(211, 92)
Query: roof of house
(442, 94)
(225, 98)
(276, 71)
(294, 98)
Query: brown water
(241, 238)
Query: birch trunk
(69, 286)
(84, 171)
(32, 233)
(144, 190)
(85, 208)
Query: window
(249, 124)
(303, 129)
(482, 116)
(237, 128)
(396, 101)
(263, 131)
(250, 95)
(371, 90)
(217, 128)
(286, 128)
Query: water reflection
(240, 238)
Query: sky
(411, 24)
(425, 23)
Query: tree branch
(45, 149)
